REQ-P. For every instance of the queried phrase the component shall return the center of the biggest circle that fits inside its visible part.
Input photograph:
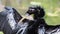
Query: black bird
(32, 26)
(40, 24)
(9, 19)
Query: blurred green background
(51, 7)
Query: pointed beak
(29, 17)
(27, 14)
